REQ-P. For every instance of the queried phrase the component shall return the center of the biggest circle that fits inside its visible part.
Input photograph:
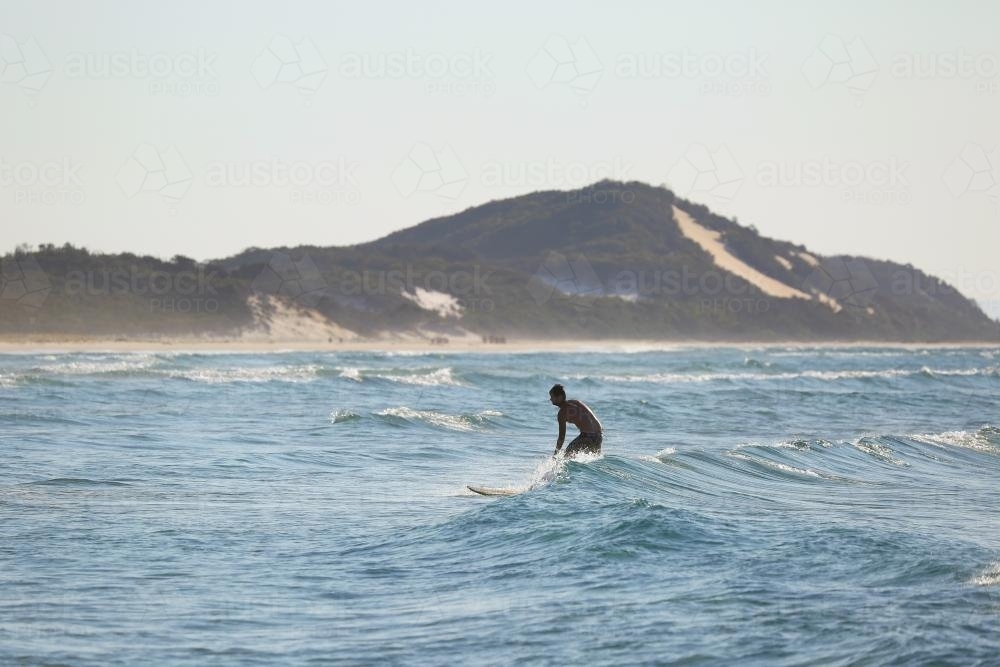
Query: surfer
(577, 413)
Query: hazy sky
(202, 128)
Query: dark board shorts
(585, 442)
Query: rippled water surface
(777, 505)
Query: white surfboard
(491, 491)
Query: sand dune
(276, 320)
(710, 242)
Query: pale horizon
(848, 129)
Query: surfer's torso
(578, 414)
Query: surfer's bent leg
(585, 442)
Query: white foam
(642, 348)
(546, 471)
(585, 457)
(406, 353)
(351, 374)
(679, 378)
(305, 373)
(100, 365)
(962, 439)
(783, 467)
(439, 378)
(989, 576)
(836, 352)
(960, 372)
(878, 451)
(338, 416)
(781, 444)
(451, 422)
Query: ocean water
(759, 505)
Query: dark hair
(558, 390)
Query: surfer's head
(557, 394)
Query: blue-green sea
(752, 505)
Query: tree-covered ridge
(609, 260)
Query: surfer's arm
(562, 434)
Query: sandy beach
(11, 345)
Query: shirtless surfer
(577, 413)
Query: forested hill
(623, 260)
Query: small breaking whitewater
(546, 472)
(438, 377)
(846, 374)
(403, 416)
(990, 576)
(292, 374)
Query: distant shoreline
(464, 345)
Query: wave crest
(403, 415)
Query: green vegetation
(630, 273)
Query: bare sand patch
(710, 242)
